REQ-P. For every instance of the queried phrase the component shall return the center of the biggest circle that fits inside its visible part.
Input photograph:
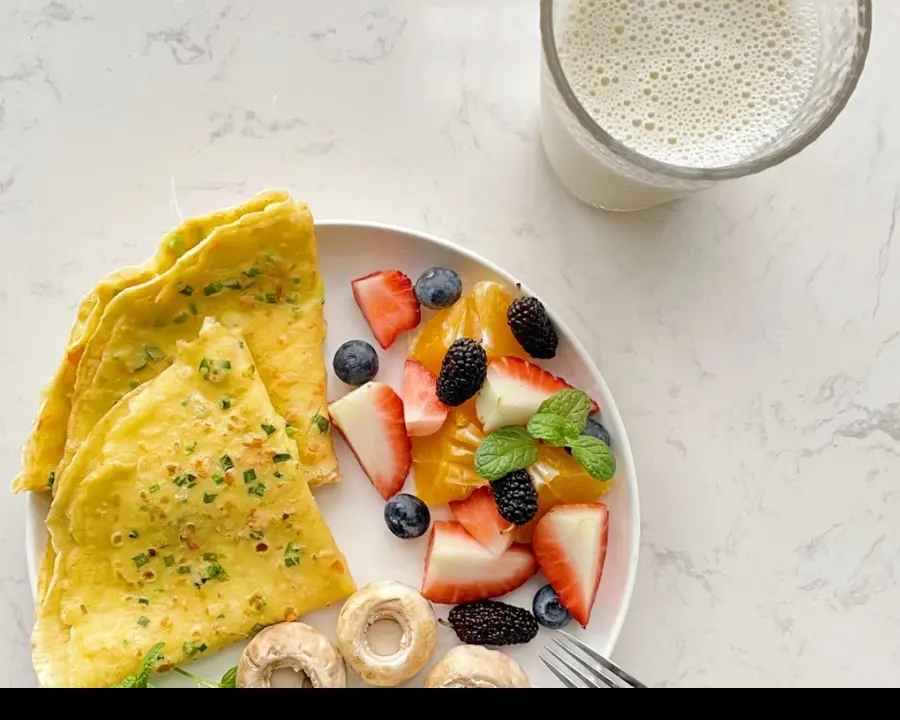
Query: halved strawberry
(570, 545)
(371, 421)
(388, 302)
(459, 569)
(513, 391)
(424, 413)
(478, 514)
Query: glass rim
(680, 172)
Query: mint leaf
(594, 456)
(552, 429)
(505, 450)
(571, 405)
(229, 679)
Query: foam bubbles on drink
(701, 83)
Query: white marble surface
(751, 334)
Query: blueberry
(438, 288)
(548, 610)
(356, 362)
(596, 430)
(407, 516)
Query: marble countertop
(751, 334)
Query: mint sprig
(153, 656)
(503, 451)
(559, 422)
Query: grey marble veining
(751, 334)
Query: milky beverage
(694, 83)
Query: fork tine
(594, 655)
(575, 671)
(563, 678)
(593, 669)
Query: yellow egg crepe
(184, 518)
(46, 445)
(258, 275)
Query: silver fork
(598, 668)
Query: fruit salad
(520, 456)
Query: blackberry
(462, 372)
(531, 326)
(489, 622)
(517, 500)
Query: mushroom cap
(293, 645)
(387, 600)
(472, 666)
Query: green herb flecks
(209, 498)
(214, 571)
(252, 272)
(186, 480)
(133, 534)
(290, 430)
(218, 478)
(231, 284)
(152, 658)
(140, 560)
(143, 621)
(268, 429)
(229, 679)
(249, 476)
(226, 463)
(191, 649)
(282, 458)
(291, 555)
(321, 423)
(296, 280)
(177, 245)
(187, 291)
(212, 289)
(257, 535)
(51, 480)
(190, 449)
(205, 368)
(225, 403)
(169, 560)
(184, 569)
(259, 490)
(271, 298)
(181, 319)
(153, 489)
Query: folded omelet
(259, 276)
(184, 518)
(46, 445)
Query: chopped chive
(293, 300)
(142, 363)
(181, 319)
(252, 272)
(256, 629)
(218, 478)
(258, 490)
(225, 364)
(143, 601)
(226, 463)
(153, 489)
(154, 354)
(296, 280)
(187, 291)
(271, 298)
(322, 423)
(191, 649)
(210, 557)
(191, 448)
(212, 289)
(177, 245)
(209, 498)
(225, 403)
(51, 479)
(256, 535)
(214, 571)
(133, 385)
(291, 555)
(259, 297)
(205, 368)
(140, 560)
(143, 622)
(231, 284)
(83, 609)
(187, 480)
(279, 474)
(282, 458)
(268, 429)
(249, 476)
(290, 430)
(133, 534)
(169, 560)
(193, 308)
(184, 569)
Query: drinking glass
(603, 172)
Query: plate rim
(623, 449)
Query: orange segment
(444, 463)
(559, 478)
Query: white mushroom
(291, 645)
(387, 601)
(472, 666)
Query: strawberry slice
(424, 413)
(570, 545)
(388, 302)
(371, 420)
(459, 569)
(514, 390)
(478, 514)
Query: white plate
(348, 250)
